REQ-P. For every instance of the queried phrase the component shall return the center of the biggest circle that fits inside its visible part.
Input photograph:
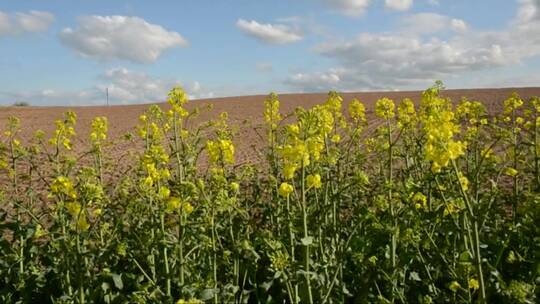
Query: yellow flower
(220, 150)
(172, 204)
(336, 138)
(406, 112)
(187, 208)
(235, 186)
(121, 249)
(463, 181)
(164, 173)
(82, 223)
(512, 103)
(451, 208)
(177, 96)
(271, 111)
(190, 301)
(285, 189)
(64, 131)
(164, 193)
(419, 200)
(289, 170)
(293, 129)
(333, 103)
(440, 127)
(384, 108)
(454, 286)
(279, 260)
(184, 133)
(357, 111)
(473, 284)
(39, 232)
(99, 131)
(148, 182)
(97, 212)
(511, 171)
(63, 186)
(73, 208)
(314, 181)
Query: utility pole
(107, 91)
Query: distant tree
(21, 104)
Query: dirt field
(245, 112)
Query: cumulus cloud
(529, 10)
(413, 59)
(120, 37)
(458, 25)
(316, 81)
(124, 86)
(20, 23)
(399, 5)
(269, 33)
(349, 7)
(431, 23)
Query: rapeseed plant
(416, 211)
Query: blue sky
(68, 52)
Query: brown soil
(244, 112)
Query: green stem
(392, 211)
(81, 285)
(291, 245)
(476, 236)
(306, 237)
(214, 258)
(181, 249)
(165, 256)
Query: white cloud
(410, 58)
(124, 86)
(269, 33)
(349, 7)
(316, 81)
(120, 37)
(458, 25)
(423, 23)
(19, 23)
(264, 67)
(399, 5)
(529, 10)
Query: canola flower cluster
(441, 128)
(65, 130)
(98, 135)
(220, 151)
(306, 140)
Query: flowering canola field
(440, 204)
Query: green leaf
(208, 294)
(413, 275)
(307, 241)
(117, 279)
(266, 285)
(105, 286)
